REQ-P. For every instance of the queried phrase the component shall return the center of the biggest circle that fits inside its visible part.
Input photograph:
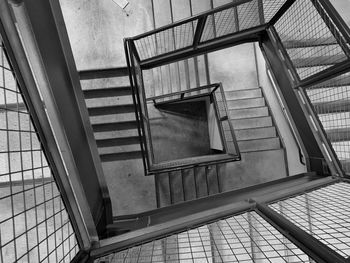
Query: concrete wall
(96, 29)
(294, 164)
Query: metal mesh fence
(311, 39)
(221, 23)
(330, 100)
(34, 224)
(322, 213)
(241, 238)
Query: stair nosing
(253, 98)
(245, 140)
(255, 128)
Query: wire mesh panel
(167, 40)
(239, 16)
(331, 102)
(311, 40)
(242, 238)
(323, 213)
(34, 224)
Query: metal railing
(34, 223)
(285, 225)
(315, 46)
(217, 95)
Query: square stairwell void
(181, 130)
(189, 128)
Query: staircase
(110, 105)
(256, 134)
(252, 121)
(311, 52)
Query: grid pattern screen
(34, 224)
(241, 238)
(323, 213)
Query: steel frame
(170, 220)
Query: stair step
(113, 118)
(248, 113)
(120, 156)
(318, 61)
(175, 181)
(107, 92)
(112, 126)
(338, 135)
(119, 149)
(245, 103)
(243, 94)
(103, 73)
(332, 106)
(201, 181)
(259, 145)
(252, 123)
(190, 191)
(115, 134)
(256, 133)
(113, 82)
(340, 81)
(117, 141)
(109, 102)
(310, 43)
(109, 110)
(163, 189)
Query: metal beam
(305, 135)
(149, 233)
(281, 11)
(245, 36)
(319, 251)
(45, 26)
(70, 189)
(199, 30)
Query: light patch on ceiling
(121, 3)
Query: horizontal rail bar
(192, 18)
(244, 36)
(183, 92)
(133, 238)
(309, 243)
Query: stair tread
(103, 73)
(107, 92)
(255, 133)
(120, 156)
(332, 106)
(250, 123)
(111, 109)
(244, 113)
(126, 140)
(247, 103)
(318, 61)
(109, 126)
(243, 94)
(338, 134)
(119, 149)
(259, 144)
(309, 43)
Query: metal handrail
(191, 19)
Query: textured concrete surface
(292, 152)
(101, 26)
